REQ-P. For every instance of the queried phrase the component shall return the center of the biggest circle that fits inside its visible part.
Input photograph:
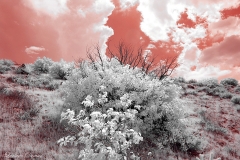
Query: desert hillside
(32, 102)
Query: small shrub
(4, 69)
(6, 62)
(180, 79)
(236, 99)
(226, 95)
(217, 91)
(229, 81)
(60, 70)
(237, 89)
(192, 81)
(211, 82)
(42, 65)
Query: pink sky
(204, 34)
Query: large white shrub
(157, 107)
(105, 135)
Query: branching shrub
(229, 81)
(236, 99)
(42, 65)
(60, 70)
(159, 109)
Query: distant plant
(6, 62)
(5, 65)
(42, 65)
(236, 99)
(217, 91)
(229, 81)
(4, 69)
(226, 95)
(237, 89)
(179, 79)
(192, 81)
(210, 82)
(60, 70)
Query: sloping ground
(27, 135)
(219, 123)
(34, 135)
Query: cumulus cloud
(34, 50)
(53, 8)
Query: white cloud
(103, 6)
(156, 19)
(200, 73)
(124, 4)
(50, 7)
(34, 50)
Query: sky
(203, 34)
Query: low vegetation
(120, 108)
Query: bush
(180, 80)
(192, 81)
(211, 82)
(217, 91)
(236, 99)
(226, 95)
(4, 69)
(42, 65)
(229, 81)
(6, 62)
(237, 89)
(154, 105)
(60, 70)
